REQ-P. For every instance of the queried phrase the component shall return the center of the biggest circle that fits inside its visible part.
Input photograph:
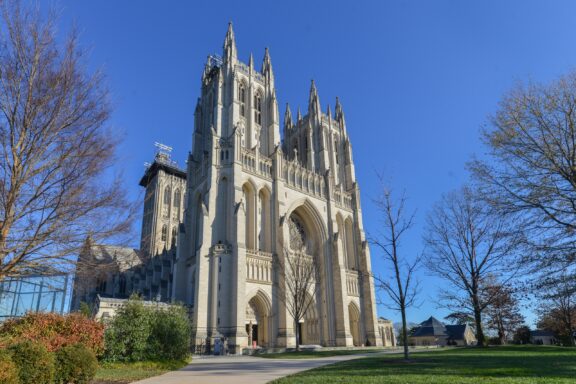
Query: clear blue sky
(417, 79)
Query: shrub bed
(55, 331)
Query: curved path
(244, 369)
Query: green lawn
(316, 354)
(498, 365)
(129, 372)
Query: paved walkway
(244, 369)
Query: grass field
(109, 373)
(495, 365)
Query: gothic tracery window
(122, 285)
(101, 284)
(242, 98)
(174, 235)
(297, 234)
(167, 193)
(258, 109)
(164, 232)
(177, 198)
(336, 152)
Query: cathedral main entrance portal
(257, 319)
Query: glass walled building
(34, 293)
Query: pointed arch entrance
(354, 318)
(305, 245)
(258, 320)
(310, 326)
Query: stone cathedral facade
(249, 197)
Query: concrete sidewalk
(245, 369)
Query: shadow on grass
(317, 354)
(496, 362)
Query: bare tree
(531, 169)
(401, 286)
(55, 155)
(558, 308)
(467, 243)
(298, 284)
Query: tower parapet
(164, 199)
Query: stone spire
(339, 115)
(230, 52)
(314, 103)
(298, 115)
(287, 118)
(251, 62)
(267, 68)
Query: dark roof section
(160, 164)
(430, 327)
(434, 327)
(456, 332)
(542, 332)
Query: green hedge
(138, 333)
(9, 371)
(75, 364)
(169, 334)
(34, 361)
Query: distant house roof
(542, 332)
(456, 332)
(430, 327)
(434, 327)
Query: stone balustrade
(352, 284)
(261, 167)
(258, 266)
(303, 179)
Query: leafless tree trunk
(401, 287)
(55, 155)
(531, 172)
(468, 244)
(298, 284)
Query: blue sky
(417, 79)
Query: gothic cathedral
(214, 235)
(250, 196)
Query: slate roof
(456, 332)
(434, 327)
(430, 327)
(124, 257)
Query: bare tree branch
(298, 283)
(468, 243)
(531, 173)
(401, 287)
(55, 154)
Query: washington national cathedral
(212, 234)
